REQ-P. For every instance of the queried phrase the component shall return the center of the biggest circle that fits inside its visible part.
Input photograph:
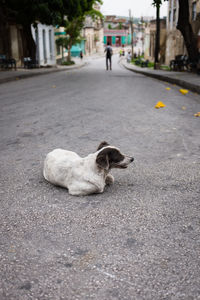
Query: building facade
(93, 34)
(116, 31)
(59, 32)
(11, 42)
(92, 39)
(117, 37)
(175, 43)
(63, 53)
(150, 38)
(45, 45)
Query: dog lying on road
(84, 176)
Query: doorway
(118, 41)
(109, 40)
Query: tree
(74, 26)
(120, 25)
(25, 13)
(73, 32)
(49, 12)
(157, 43)
(185, 28)
(63, 43)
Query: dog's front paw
(109, 179)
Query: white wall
(171, 6)
(44, 38)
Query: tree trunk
(69, 53)
(62, 53)
(186, 30)
(29, 43)
(5, 46)
(157, 42)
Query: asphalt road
(138, 240)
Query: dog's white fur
(81, 176)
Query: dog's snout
(132, 159)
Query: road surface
(138, 240)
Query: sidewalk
(21, 73)
(184, 79)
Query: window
(174, 15)
(194, 10)
(170, 16)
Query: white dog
(84, 176)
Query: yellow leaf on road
(183, 108)
(168, 88)
(197, 114)
(160, 104)
(184, 92)
(54, 86)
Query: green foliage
(120, 26)
(27, 12)
(158, 2)
(165, 68)
(109, 26)
(73, 29)
(138, 61)
(151, 65)
(68, 63)
(62, 42)
(95, 14)
(49, 12)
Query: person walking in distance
(109, 52)
(81, 55)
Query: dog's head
(109, 157)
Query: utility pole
(142, 26)
(131, 24)
(157, 41)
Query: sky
(138, 8)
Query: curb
(190, 86)
(24, 76)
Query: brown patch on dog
(103, 144)
(102, 161)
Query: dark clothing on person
(108, 59)
(108, 51)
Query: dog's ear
(102, 160)
(103, 144)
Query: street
(138, 240)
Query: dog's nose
(132, 159)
